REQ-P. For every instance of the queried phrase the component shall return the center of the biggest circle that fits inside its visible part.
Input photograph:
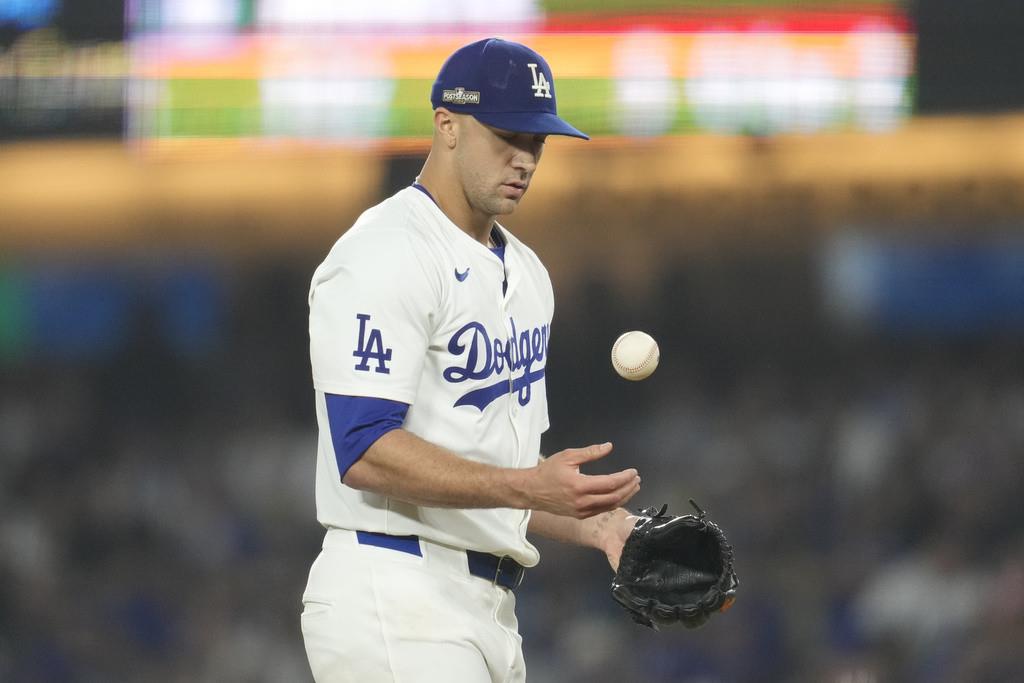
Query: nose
(525, 161)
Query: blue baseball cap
(503, 84)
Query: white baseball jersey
(409, 307)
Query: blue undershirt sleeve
(356, 422)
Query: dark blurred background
(814, 206)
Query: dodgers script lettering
(482, 357)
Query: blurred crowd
(159, 517)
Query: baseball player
(429, 330)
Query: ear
(446, 127)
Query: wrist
(516, 483)
(603, 533)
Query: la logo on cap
(541, 87)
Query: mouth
(514, 189)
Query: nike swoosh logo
(461, 276)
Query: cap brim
(538, 123)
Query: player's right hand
(556, 484)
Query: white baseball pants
(378, 615)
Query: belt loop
(497, 570)
(519, 572)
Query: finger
(627, 492)
(597, 504)
(606, 483)
(578, 456)
(632, 492)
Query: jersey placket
(506, 300)
(515, 411)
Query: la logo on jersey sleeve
(371, 348)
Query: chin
(505, 206)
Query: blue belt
(503, 571)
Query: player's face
(495, 166)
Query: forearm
(401, 465)
(592, 532)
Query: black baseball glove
(675, 570)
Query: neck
(443, 185)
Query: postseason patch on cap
(461, 96)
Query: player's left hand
(675, 570)
(612, 529)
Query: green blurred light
(14, 332)
(213, 107)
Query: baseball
(635, 355)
